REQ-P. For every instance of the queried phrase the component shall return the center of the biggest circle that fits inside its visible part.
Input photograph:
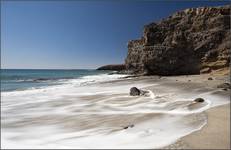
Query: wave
(40, 83)
(65, 81)
(90, 112)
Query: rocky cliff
(193, 41)
(116, 67)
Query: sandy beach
(214, 135)
(115, 75)
(105, 113)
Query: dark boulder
(134, 91)
(210, 78)
(200, 100)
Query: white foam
(155, 133)
(61, 102)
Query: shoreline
(214, 135)
(106, 110)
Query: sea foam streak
(86, 113)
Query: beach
(214, 135)
(113, 75)
(104, 114)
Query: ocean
(93, 109)
(22, 79)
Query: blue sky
(77, 34)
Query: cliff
(116, 67)
(193, 41)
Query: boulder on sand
(134, 91)
(200, 100)
(210, 78)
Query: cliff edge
(193, 41)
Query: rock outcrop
(115, 67)
(193, 41)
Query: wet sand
(214, 135)
(110, 110)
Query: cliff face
(192, 41)
(116, 67)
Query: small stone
(200, 100)
(210, 78)
(129, 126)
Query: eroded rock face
(116, 67)
(185, 43)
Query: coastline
(214, 135)
(106, 110)
(169, 89)
(216, 132)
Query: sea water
(92, 109)
(21, 79)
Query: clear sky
(77, 34)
